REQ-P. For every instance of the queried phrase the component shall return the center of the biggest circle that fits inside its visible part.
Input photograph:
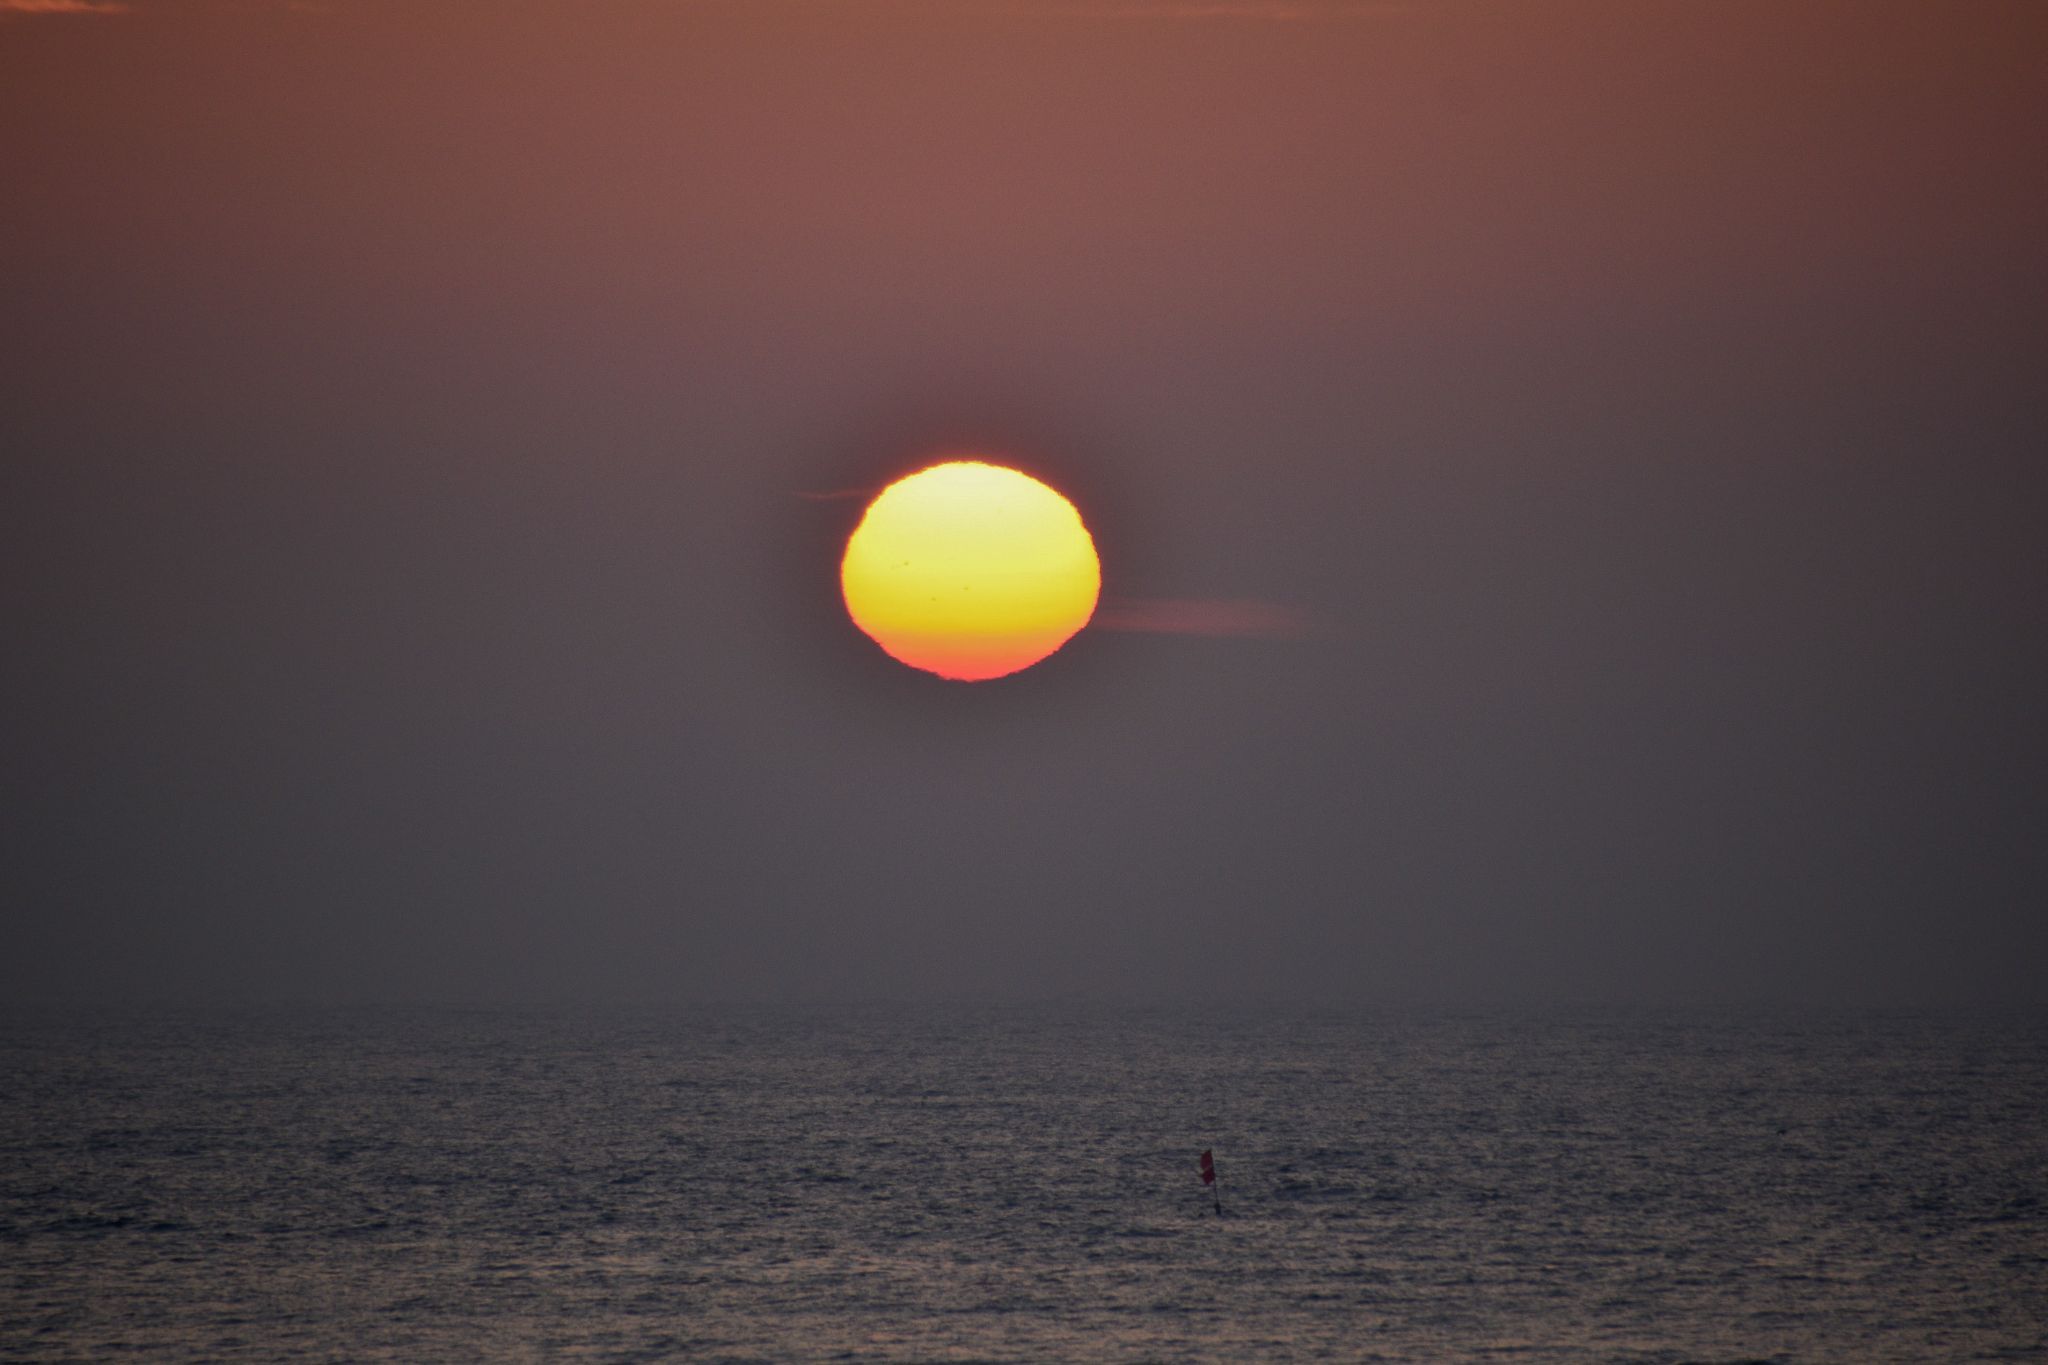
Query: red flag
(1208, 1170)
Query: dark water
(1020, 1184)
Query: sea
(1021, 1183)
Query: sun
(970, 570)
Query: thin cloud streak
(63, 7)
(1238, 617)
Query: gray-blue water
(1020, 1184)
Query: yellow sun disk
(970, 570)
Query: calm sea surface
(1020, 1184)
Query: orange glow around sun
(970, 570)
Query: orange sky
(1567, 477)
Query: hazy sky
(1581, 467)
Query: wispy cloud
(63, 7)
(1243, 617)
(834, 494)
